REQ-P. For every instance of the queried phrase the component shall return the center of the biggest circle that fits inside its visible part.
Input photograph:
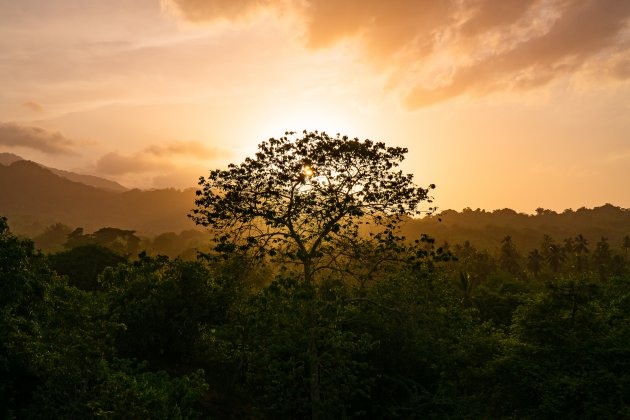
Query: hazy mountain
(91, 180)
(33, 197)
(8, 158)
(95, 181)
(486, 229)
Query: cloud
(189, 148)
(156, 158)
(581, 32)
(116, 164)
(179, 178)
(49, 142)
(436, 50)
(204, 10)
(489, 14)
(33, 106)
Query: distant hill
(8, 158)
(33, 197)
(486, 229)
(91, 180)
(95, 181)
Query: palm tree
(581, 244)
(569, 249)
(555, 257)
(569, 245)
(546, 245)
(552, 253)
(602, 257)
(509, 256)
(534, 262)
(581, 247)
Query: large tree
(299, 197)
(303, 198)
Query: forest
(315, 294)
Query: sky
(501, 103)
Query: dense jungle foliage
(457, 333)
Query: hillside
(33, 197)
(94, 181)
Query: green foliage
(183, 245)
(123, 242)
(84, 263)
(396, 330)
(57, 346)
(564, 357)
(128, 393)
(277, 357)
(53, 238)
(23, 278)
(164, 306)
(119, 391)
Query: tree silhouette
(299, 197)
(83, 264)
(552, 253)
(602, 257)
(53, 237)
(581, 247)
(509, 257)
(555, 257)
(569, 251)
(534, 262)
(124, 242)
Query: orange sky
(502, 103)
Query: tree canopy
(299, 196)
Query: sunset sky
(501, 103)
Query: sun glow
(308, 116)
(308, 171)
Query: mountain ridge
(7, 159)
(33, 197)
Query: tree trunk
(312, 354)
(314, 379)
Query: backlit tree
(299, 196)
(303, 199)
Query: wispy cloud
(115, 163)
(203, 10)
(188, 148)
(33, 106)
(49, 142)
(157, 158)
